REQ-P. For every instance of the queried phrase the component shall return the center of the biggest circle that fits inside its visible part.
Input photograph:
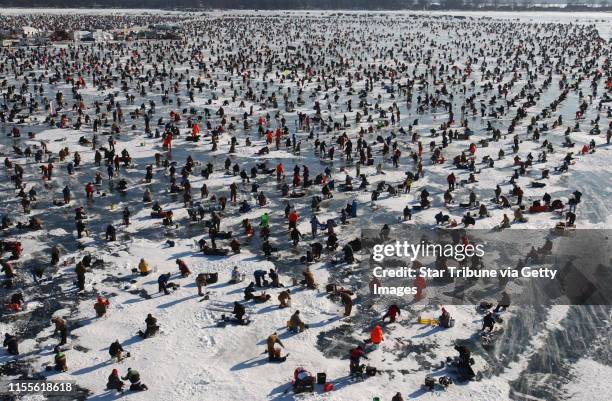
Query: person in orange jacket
(279, 171)
(195, 130)
(376, 336)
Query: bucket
(328, 387)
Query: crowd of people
(262, 128)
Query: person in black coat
(239, 311)
(116, 350)
(10, 342)
(488, 322)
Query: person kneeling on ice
(60, 360)
(237, 276)
(274, 354)
(163, 284)
(376, 336)
(134, 377)
(152, 327)
(116, 351)
(284, 298)
(143, 267)
(355, 359)
(101, 306)
(184, 270)
(296, 324)
(445, 319)
(114, 381)
(488, 322)
(397, 397)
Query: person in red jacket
(279, 171)
(392, 313)
(168, 141)
(293, 218)
(355, 358)
(89, 190)
(101, 306)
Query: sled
(426, 321)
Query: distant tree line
(572, 5)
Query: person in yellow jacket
(143, 267)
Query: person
(183, 268)
(111, 233)
(248, 291)
(444, 319)
(355, 358)
(309, 279)
(376, 335)
(201, 282)
(134, 377)
(114, 381)
(505, 222)
(101, 306)
(349, 256)
(162, 283)
(10, 342)
(296, 324)
(60, 360)
(518, 216)
(275, 283)
(239, 311)
(260, 278)
(504, 302)
(237, 276)
(570, 219)
(397, 397)
(61, 327)
(347, 301)
(126, 216)
(314, 225)
(152, 327)
(392, 313)
(143, 267)
(273, 352)
(80, 270)
(488, 322)
(55, 255)
(116, 351)
(284, 298)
